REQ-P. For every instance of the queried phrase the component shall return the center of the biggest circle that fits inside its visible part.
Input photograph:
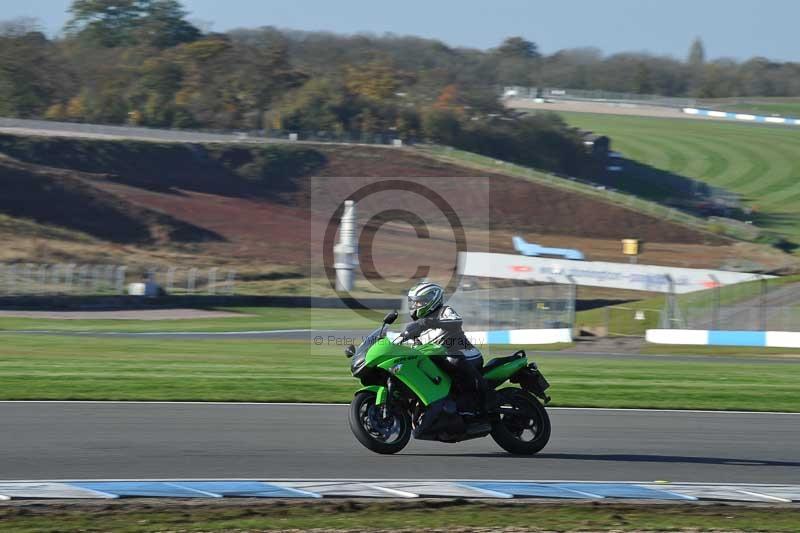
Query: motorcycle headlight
(357, 363)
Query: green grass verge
(734, 351)
(252, 319)
(761, 163)
(54, 368)
(448, 515)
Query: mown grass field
(251, 319)
(49, 367)
(759, 162)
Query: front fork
(387, 397)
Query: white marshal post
(346, 250)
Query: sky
(738, 29)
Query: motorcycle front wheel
(381, 435)
(524, 426)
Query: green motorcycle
(408, 391)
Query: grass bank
(448, 515)
(760, 163)
(251, 319)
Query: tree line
(141, 62)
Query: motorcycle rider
(441, 324)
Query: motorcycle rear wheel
(381, 435)
(525, 433)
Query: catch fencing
(31, 279)
(520, 306)
(764, 304)
(761, 305)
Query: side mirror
(390, 318)
(350, 351)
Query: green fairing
(380, 393)
(417, 372)
(380, 396)
(503, 372)
(414, 367)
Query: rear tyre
(381, 435)
(527, 430)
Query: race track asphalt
(49, 440)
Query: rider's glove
(413, 330)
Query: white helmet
(424, 298)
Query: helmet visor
(418, 302)
(415, 303)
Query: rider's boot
(482, 399)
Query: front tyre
(525, 430)
(381, 435)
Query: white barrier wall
(741, 116)
(764, 339)
(521, 336)
(596, 273)
(676, 336)
(514, 336)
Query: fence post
(120, 278)
(212, 280)
(191, 280)
(716, 302)
(80, 280)
(11, 279)
(69, 273)
(30, 285)
(97, 276)
(231, 283)
(762, 308)
(670, 301)
(42, 276)
(108, 278)
(170, 279)
(573, 296)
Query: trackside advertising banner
(597, 273)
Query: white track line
(312, 404)
(765, 496)
(405, 480)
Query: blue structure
(533, 249)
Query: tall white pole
(346, 250)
